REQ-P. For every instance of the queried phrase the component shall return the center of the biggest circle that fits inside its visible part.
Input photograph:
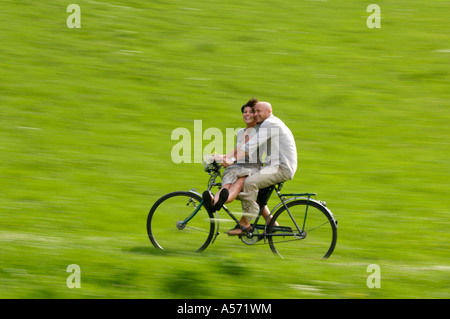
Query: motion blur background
(85, 142)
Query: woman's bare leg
(233, 189)
(216, 198)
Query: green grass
(87, 115)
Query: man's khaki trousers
(267, 176)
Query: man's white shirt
(276, 142)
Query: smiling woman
(182, 151)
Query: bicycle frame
(263, 198)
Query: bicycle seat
(265, 193)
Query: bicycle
(179, 221)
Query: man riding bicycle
(276, 141)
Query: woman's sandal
(238, 230)
(208, 201)
(223, 196)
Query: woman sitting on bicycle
(234, 176)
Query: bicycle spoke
(327, 222)
(197, 229)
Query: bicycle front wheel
(306, 228)
(178, 222)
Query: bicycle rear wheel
(173, 226)
(307, 229)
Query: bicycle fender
(311, 200)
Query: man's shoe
(238, 230)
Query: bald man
(275, 141)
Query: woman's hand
(227, 161)
(219, 158)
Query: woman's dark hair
(251, 103)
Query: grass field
(85, 148)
